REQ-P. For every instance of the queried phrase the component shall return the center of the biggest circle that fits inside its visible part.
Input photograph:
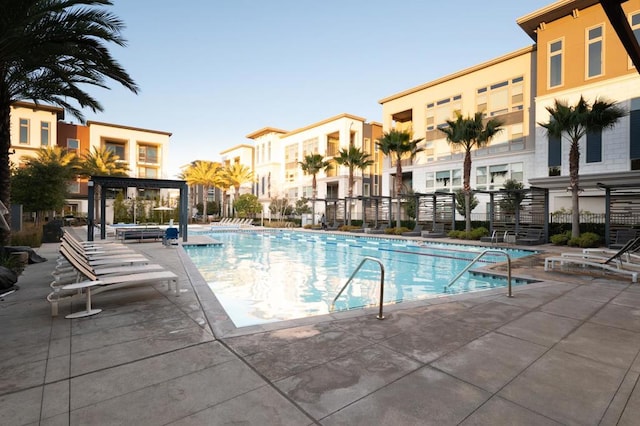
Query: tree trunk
(205, 216)
(398, 190)
(467, 190)
(350, 193)
(574, 165)
(5, 170)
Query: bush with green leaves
(586, 240)
(475, 234)
(561, 239)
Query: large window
(555, 155)
(594, 147)
(594, 51)
(555, 63)
(148, 154)
(24, 130)
(444, 180)
(634, 134)
(494, 177)
(118, 148)
(45, 136)
(442, 110)
(73, 145)
(147, 172)
(501, 97)
(634, 21)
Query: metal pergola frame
(114, 182)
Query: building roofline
(264, 131)
(43, 107)
(325, 121)
(530, 22)
(121, 126)
(242, 145)
(458, 74)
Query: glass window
(594, 52)
(73, 145)
(73, 187)
(443, 179)
(498, 175)
(44, 133)
(456, 178)
(634, 132)
(594, 147)
(429, 181)
(517, 172)
(147, 172)
(555, 63)
(117, 148)
(24, 130)
(148, 154)
(481, 176)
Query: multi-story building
(142, 151)
(279, 153)
(577, 53)
(502, 88)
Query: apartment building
(502, 88)
(579, 54)
(279, 153)
(576, 53)
(142, 151)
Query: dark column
(90, 208)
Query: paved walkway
(563, 351)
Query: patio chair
(612, 263)
(437, 231)
(531, 237)
(170, 237)
(334, 227)
(623, 236)
(380, 229)
(416, 232)
(100, 283)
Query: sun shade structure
(113, 182)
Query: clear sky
(213, 71)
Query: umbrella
(162, 209)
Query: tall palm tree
(237, 175)
(101, 162)
(470, 132)
(574, 122)
(398, 145)
(224, 183)
(353, 158)
(312, 165)
(203, 173)
(49, 49)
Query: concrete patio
(562, 351)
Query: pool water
(262, 277)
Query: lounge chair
(416, 232)
(170, 237)
(437, 231)
(612, 263)
(623, 236)
(334, 227)
(380, 229)
(531, 237)
(100, 283)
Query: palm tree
(353, 158)
(101, 162)
(574, 122)
(398, 144)
(203, 173)
(312, 165)
(49, 50)
(237, 175)
(470, 132)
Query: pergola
(114, 182)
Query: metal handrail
(379, 316)
(478, 257)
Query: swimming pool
(262, 277)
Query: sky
(213, 71)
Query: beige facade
(32, 127)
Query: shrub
(586, 240)
(399, 231)
(561, 239)
(475, 234)
(31, 235)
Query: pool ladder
(478, 257)
(380, 316)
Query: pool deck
(562, 351)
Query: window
(366, 190)
(555, 155)
(310, 146)
(481, 177)
(594, 147)
(44, 133)
(117, 148)
(444, 179)
(429, 181)
(73, 187)
(634, 134)
(24, 130)
(555, 63)
(73, 145)
(501, 97)
(148, 154)
(441, 111)
(517, 172)
(307, 191)
(594, 51)
(498, 175)
(634, 21)
(147, 172)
